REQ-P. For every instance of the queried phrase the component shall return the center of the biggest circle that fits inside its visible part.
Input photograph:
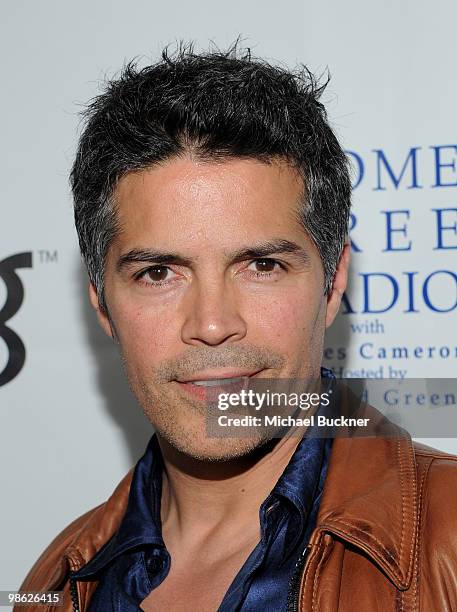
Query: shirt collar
(141, 524)
(299, 480)
(297, 487)
(294, 492)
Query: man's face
(212, 277)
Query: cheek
(289, 320)
(145, 334)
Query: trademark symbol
(46, 257)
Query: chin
(197, 446)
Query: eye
(265, 264)
(265, 267)
(156, 275)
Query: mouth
(207, 387)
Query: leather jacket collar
(369, 500)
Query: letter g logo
(14, 298)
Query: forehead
(222, 201)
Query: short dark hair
(218, 105)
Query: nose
(212, 315)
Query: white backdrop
(70, 429)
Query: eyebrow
(263, 249)
(270, 247)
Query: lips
(214, 382)
(220, 375)
(205, 386)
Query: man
(211, 204)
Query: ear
(102, 316)
(340, 280)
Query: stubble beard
(182, 423)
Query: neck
(201, 498)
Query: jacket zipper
(294, 582)
(74, 595)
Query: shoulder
(51, 566)
(79, 541)
(437, 486)
(435, 467)
(436, 475)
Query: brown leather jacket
(385, 540)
